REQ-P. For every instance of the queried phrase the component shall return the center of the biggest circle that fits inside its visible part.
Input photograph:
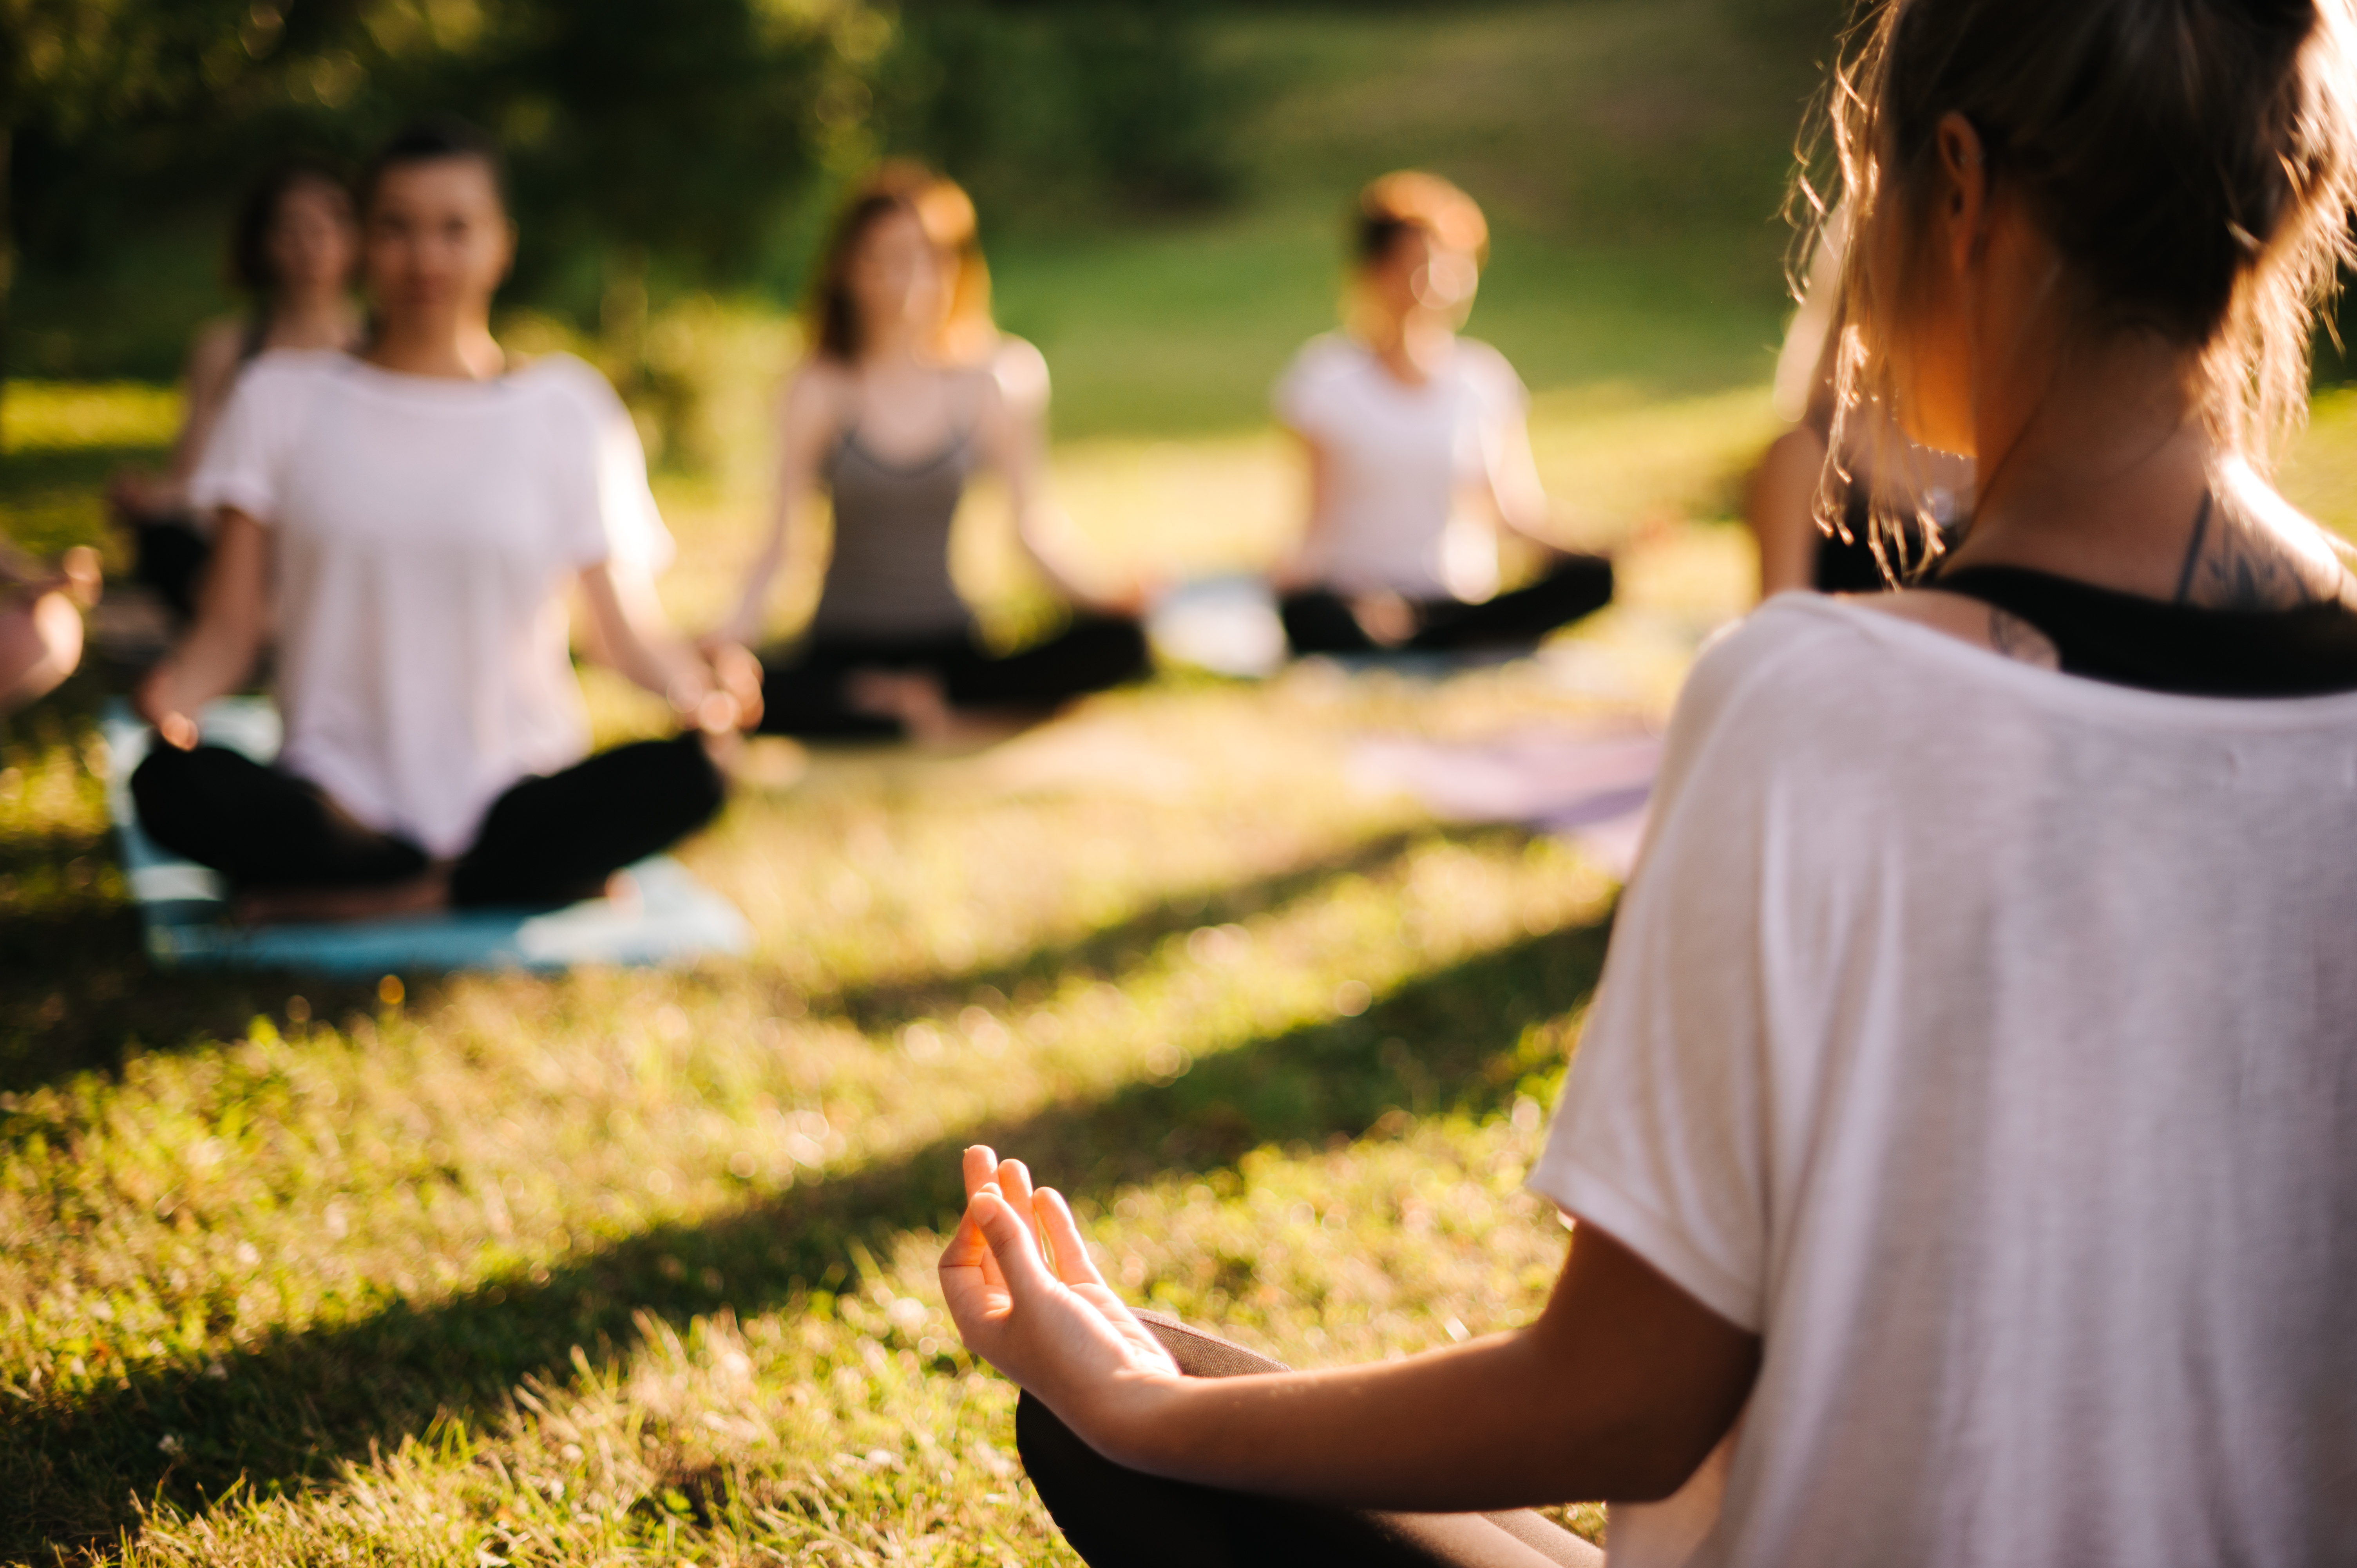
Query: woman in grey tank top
(908, 392)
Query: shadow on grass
(883, 1005)
(294, 1404)
(77, 992)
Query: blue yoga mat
(183, 907)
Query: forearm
(1486, 1425)
(217, 654)
(633, 637)
(214, 661)
(658, 661)
(1047, 543)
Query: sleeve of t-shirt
(1661, 1138)
(243, 465)
(1504, 400)
(1302, 398)
(613, 517)
(1503, 396)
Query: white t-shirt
(1402, 456)
(424, 534)
(1986, 1040)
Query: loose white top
(424, 534)
(1401, 458)
(1985, 1038)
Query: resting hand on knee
(1059, 1330)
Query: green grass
(636, 1267)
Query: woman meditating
(908, 393)
(292, 255)
(415, 516)
(1417, 449)
(1970, 1099)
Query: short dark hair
(1411, 201)
(250, 267)
(429, 140)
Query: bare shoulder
(2252, 550)
(818, 380)
(1020, 373)
(1967, 621)
(213, 352)
(811, 408)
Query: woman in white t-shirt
(1970, 1099)
(1417, 449)
(414, 518)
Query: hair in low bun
(2193, 162)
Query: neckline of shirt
(443, 390)
(2053, 688)
(1447, 371)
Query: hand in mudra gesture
(1048, 1320)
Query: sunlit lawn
(632, 1266)
(636, 1266)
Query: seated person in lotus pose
(1968, 1097)
(1406, 425)
(909, 391)
(41, 621)
(291, 254)
(416, 514)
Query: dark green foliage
(688, 144)
(1043, 110)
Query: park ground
(637, 1267)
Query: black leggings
(170, 557)
(803, 693)
(1319, 620)
(1120, 1519)
(547, 841)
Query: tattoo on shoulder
(2237, 565)
(2017, 639)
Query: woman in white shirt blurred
(1418, 451)
(415, 516)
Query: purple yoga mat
(1590, 784)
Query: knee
(703, 787)
(1119, 643)
(171, 788)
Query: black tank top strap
(2129, 640)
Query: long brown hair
(2193, 162)
(945, 213)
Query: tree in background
(684, 145)
(69, 70)
(1045, 108)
